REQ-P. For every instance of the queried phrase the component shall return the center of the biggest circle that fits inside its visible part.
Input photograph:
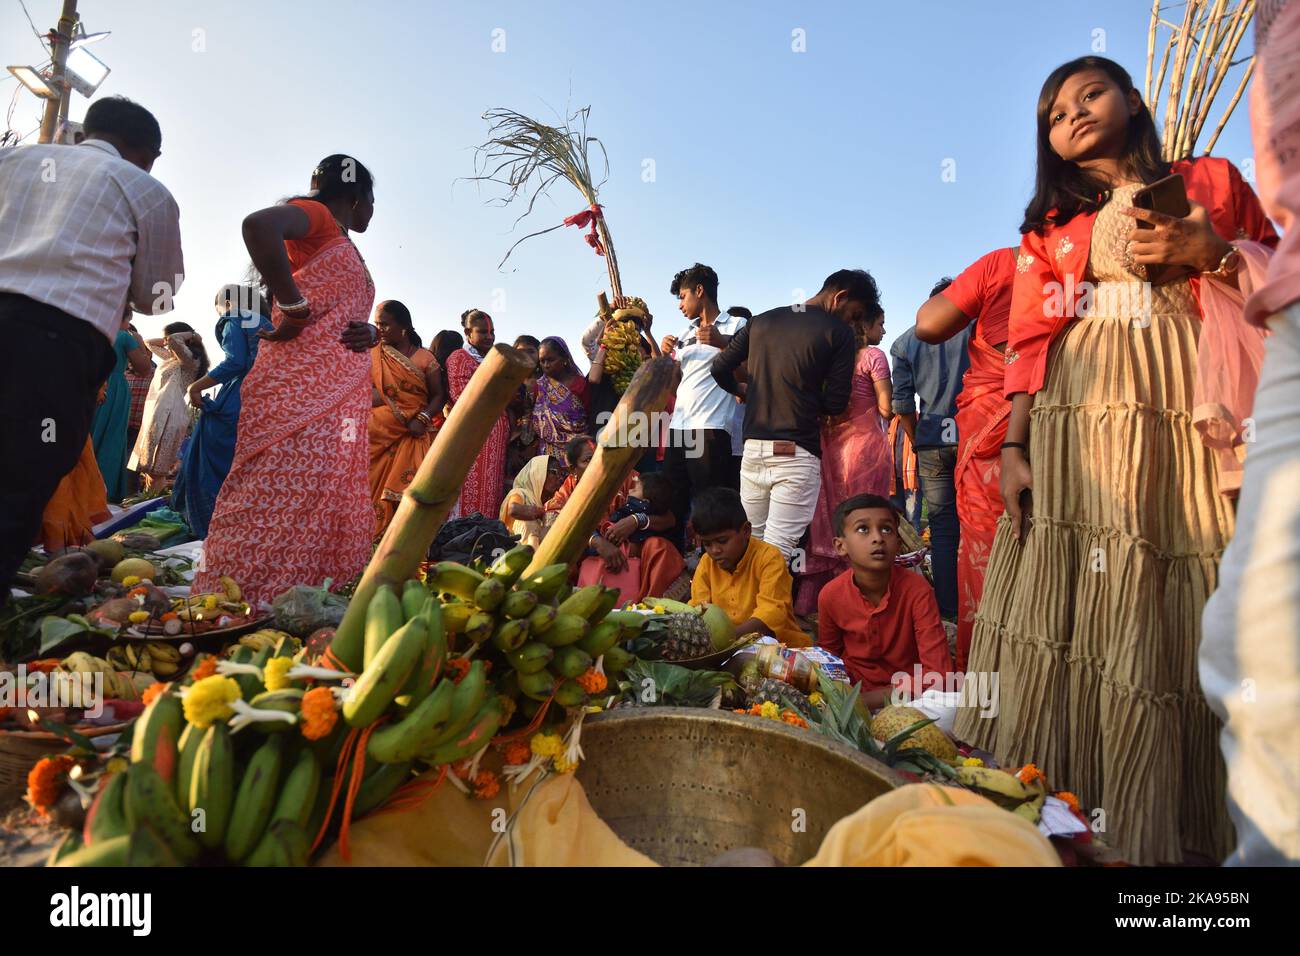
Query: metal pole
(61, 42)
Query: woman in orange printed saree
(406, 408)
(982, 294)
(295, 508)
(79, 503)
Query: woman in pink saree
(296, 508)
(856, 459)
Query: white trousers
(779, 493)
(1250, 649)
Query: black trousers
(51, 367)
(696, 459)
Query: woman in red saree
(484, 486)
(981, 294)
(295, 508)
(406, 408)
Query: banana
(480, 627)
(998, 785)
(570, 661)
(511, 635)
(158, 650)
(383, 618)
(508, 684)
(212, 788)
(149, 849)
(567, 629)
(672, 607)
(538, 686)
(448, 577)
(510, 565)
(617, 660)
(70, 844)
(540, 619)
(414, 594)
(466, 701)
(285, 843)
(403, 741)
(425, 674)
(186, 750)
(547, 582)
(106, 817)
(607, 603)
(601, 638)
(149, 800)
(456, 615)
(486, 722)
(255, 799)
(1032, 809)
(489, 595)
(519, 604)
(112, 852)
(298, 796)
(157, 732)
(570, 693)
(385, 674)
(530, 658)
(583, 601)
(287, 700)
(349, 643)
(231, 589)
(378, 786)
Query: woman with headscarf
(524, 510)
(562, 409)
(484, 486)
(211, 449)
(295, 508)
(407, 396)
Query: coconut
(108, 552)
(893, 720)
(137, 567)
(116, 611)
(721, 631)
(73, 574)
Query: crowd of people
(1058, 420)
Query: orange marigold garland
(45, 781)
(318, 713)
(1029, 773)
(457, 668)
(486, 785)
(1070, 799)
(205, 668)
(518, 752)
(152, 692)
(591, 681)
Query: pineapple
(780, 693)
(688, 637)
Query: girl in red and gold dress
(1115, 522)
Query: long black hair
(339, 176)
(442, 345)
(1062, 189)
(195, 345)
(400, 314)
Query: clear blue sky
(775, 167)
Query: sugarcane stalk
(1151, 46)
(1236, 98)
(1197, 70)
(431, 494)
(1236, 30)
(645, 398)
(1184, 38)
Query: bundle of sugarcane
(1196, 56)
(526, 156)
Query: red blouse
(1058, 257)
(322, 231)
(983, 292)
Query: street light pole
(62, 42)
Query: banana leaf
(671, 685)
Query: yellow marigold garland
(209, 700)
(275, 673)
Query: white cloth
(1250, 648)
(167, 418)
(85, 231)
(591, 338)
(779, 493)
(701, 401)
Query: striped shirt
(87, 232)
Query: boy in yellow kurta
(744, 576)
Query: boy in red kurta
(881, 620)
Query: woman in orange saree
(406, 408)
(295, 508)
(79, 503)
(982, 294)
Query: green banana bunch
(148, 800)
(156, 735)
(298, 795)
(413, 734)
(254, 800)
(106, 818)
(385, 674)
(212, 787)
(1004, 789)
(482, 726)
(448, 577)
(510, 565)
(383, 618)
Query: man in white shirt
(701, 446)
(86, 235)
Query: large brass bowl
(683, 785)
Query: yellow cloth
(759, 587)
(928, 825)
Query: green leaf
(676, 685)
(56, 630)
(68, 734)
(900, 738)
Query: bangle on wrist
(302, 305)
(1015, 444)
(1227, 264)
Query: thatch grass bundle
(1196, 57)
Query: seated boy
(744, 576)
(880, 619)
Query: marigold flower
(275, 673)
(815, 698)
(563, 764)
(972, 762)
(152, 692)
(204, 668)
(138, 617)
(169, 616)
(660, 609)
(1029, 773)
(1070, 799)
(486, 785)
(210, 602)
(318, 713)
(769, 710)
(592, 682)
(545, 745)
(210, 699)
(793, 719)
(457, 668)
(518, 752)
(45, 781)
(131, 580)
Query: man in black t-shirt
(800, 362)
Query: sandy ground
(24, 839)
